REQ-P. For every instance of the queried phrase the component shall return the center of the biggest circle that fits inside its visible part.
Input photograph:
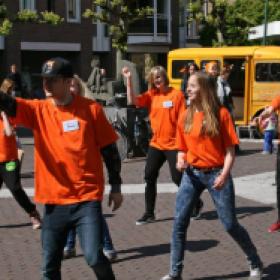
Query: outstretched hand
(125, 72)
(116, 200)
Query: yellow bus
(255, 78)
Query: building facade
(79, 39)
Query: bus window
(177, 65)
(204, 62)
(268, 72)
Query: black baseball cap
(57, 67)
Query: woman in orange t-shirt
(164, 104)
(10, 164)
(205, 140)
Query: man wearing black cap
(70, 134)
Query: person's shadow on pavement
(271, 272)
(160, 249)
(241, 212)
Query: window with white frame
(73, 8)
(27, 5)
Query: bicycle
(132, 128)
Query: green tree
(212, 23)
(228, 22)
(118, 15)
(239, 19)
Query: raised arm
(8, 129)
(131, 98)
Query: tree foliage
(212, 23)
(228, 22)
(240, 19)
(118, 15)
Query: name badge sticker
(167, 104)
(70, 125)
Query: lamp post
(265, 22)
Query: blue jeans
(86, 217)
(193, 183)
(268, 141)
(107, 240)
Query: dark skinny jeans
(10, 175)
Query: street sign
(257, 32)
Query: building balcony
(151, 30)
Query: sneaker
(111, 255)
(274, 227)
(168, 277)
(197, 210)
(69, 253)
(255, 272)
(265, 153)
(35, 220)
(146, 218)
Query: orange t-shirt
(164, 110)
(276, 103)
(68, 163)
(201, 150)
(8, 145)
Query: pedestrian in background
(212, 69)
(186, 71)
(78, 87)
(15, 76)
(206, 139)
(10, 162)
(164, 105)
(268, 126)
(224, 89)
(70, 133)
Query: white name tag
(167, 104)
(70, 125)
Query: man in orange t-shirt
(70, 135)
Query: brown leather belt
(205, 169)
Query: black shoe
(197, 210)
(146, 218)
(69, 253)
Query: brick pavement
(144, 250)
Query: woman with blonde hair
(164, 104)
(205, 139)
(7, 86)
(10, 164)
